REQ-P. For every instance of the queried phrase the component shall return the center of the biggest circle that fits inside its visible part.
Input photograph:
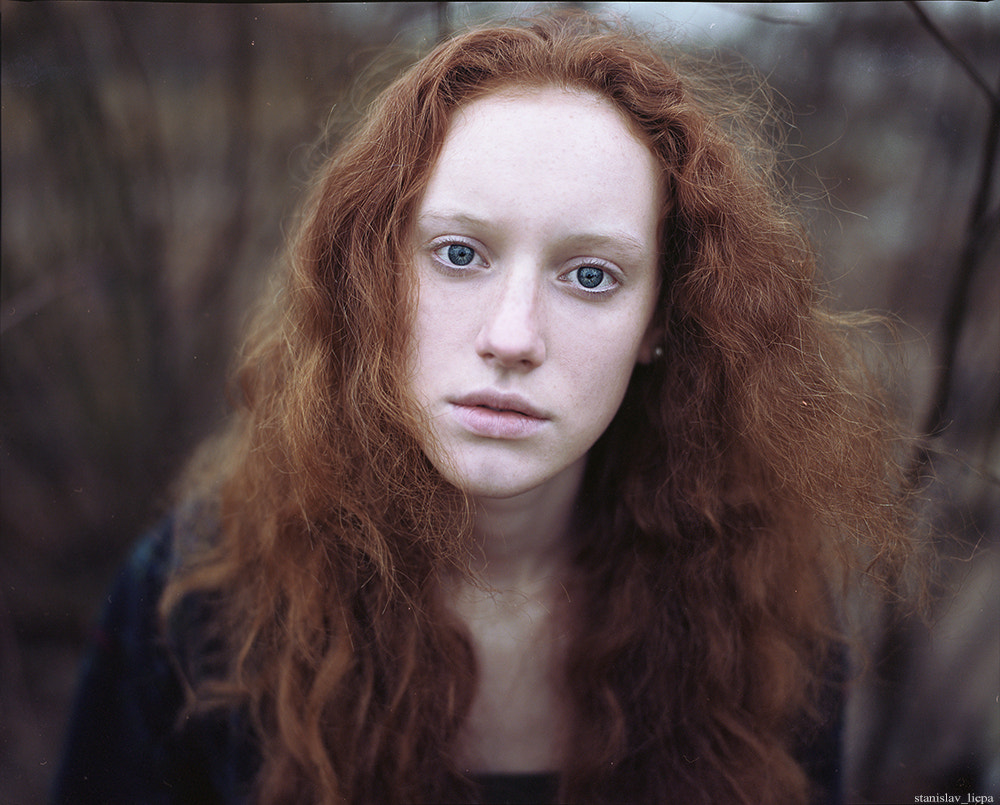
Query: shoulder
(820, 747)
(128, 738)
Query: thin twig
(976, 236)
(443, 27)
(760, 16)
(967, 265)
(956, 54)
(893, 651)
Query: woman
(548, 470)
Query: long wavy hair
(746, 475)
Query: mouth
(501, 404)
(495, 415)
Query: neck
(518, 618)
(526, 540)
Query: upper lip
(500, 401)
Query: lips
(501, 403)
(498, 415)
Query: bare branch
(976, 236)
(956, 54)
(760, 16)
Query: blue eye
(460, 255)
(590, 276)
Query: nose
(511, 336)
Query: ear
(653, 337)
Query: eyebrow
(446, 218)
(620, 241)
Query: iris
(460, 254)
(590, 277)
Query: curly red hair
(742, 476)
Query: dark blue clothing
(128, 744)
(125, 744)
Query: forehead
(545, 151)
(526, 120)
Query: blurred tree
(146, 153)
(899, 130)
(146, 150)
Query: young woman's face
(535, 254)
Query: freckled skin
(537, 183)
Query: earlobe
(651, 348)
(653, 345)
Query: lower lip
(497, 424)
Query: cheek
(601, 373)
(440, 328)
(431, 340)
(441, 313)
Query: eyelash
(608, 275)
(451, 268)
(456, 270)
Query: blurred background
(153, 154)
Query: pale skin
(535, 249)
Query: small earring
(657, 352)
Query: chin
(516, 478)
(492, 480)
(501, 471)
(492, 486)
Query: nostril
(511, 347)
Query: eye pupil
(589, 276)
(460, 254)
